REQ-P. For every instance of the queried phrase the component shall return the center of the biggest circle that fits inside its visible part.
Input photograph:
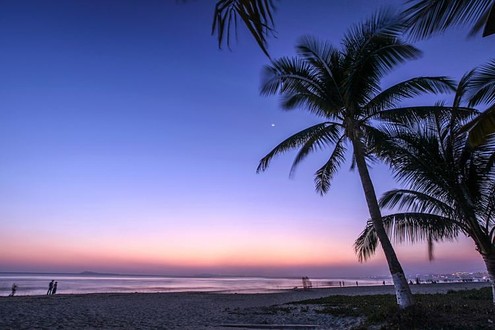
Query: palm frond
(318, 53)
(318, 140)
(487, 203)
(413, 87)
(294, 141)
(375, 140)
(407, 227)
(326, 59)
(257, 16)
(427, 17)
(364, 80)
(325, 174)
(490, 160)
(483, 84)
(481, 127)
(289, 74)
(489, 19)
(311, 101)
(301, 84)
(411, 116)
(408, 199)
(367, 242)
(373, 49)
(419, 227)
(383, 24)
(464, 87)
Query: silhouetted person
(383, 282)
(14, 289)
(306, 283)
(54, 290)
(357, 284)
(50, 287)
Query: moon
(273, 125)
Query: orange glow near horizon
(192, 249)
(196, 251)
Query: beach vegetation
(449, 185)
(466, 309)
(342, 87)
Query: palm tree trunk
(490, 267)
(402, 291)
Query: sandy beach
(188, 310)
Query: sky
(129, 143)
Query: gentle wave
(37, 284)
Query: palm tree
(450, 186)
(427, 17)
(343, 88)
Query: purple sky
(129, 143)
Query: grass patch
(468, 309)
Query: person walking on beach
(54, 290)
(14, 289)
(50, 287)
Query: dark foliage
(470, 309)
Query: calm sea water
(37, 284)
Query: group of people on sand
(52, 287)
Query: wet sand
(188, 310)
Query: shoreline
(188, 310)
(439, 287)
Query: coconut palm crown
(449, 185)
(342, 87)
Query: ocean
(37, 284)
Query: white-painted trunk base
(490, 267)
(493, 291)
(402, 291)
(492, 279)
